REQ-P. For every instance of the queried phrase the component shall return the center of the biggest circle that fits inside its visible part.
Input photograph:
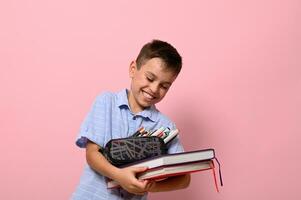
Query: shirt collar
(122, 100)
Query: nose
(154, 88)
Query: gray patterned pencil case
(123, 151)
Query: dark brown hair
(162, 50)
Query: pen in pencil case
(138, 132)
(143, 133)
(171, 136)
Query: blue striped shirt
(111, 117)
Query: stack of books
(169, 165)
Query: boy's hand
(126, 177)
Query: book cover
(176, 158)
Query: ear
(132, 69)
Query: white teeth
(148, 95)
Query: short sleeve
(175, 145)
(94, 125)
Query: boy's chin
(146, 104)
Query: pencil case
(123, 151)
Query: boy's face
(149, 84)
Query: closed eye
(149, 79)
(165, 87)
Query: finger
(135, 184)
(139, 169)
(149, 185)
(145, 182)
(140, 184)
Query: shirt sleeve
(175, 145)
(94, 125)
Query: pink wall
(239, 91)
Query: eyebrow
(152, 74)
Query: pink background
(239, 91)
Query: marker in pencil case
(157, 132)
(171, 136)
(162, 135)
(151, 132)
(165, 133)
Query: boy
(118, 115)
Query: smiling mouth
(148, 96)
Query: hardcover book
(173, 164)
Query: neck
(135, 108)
